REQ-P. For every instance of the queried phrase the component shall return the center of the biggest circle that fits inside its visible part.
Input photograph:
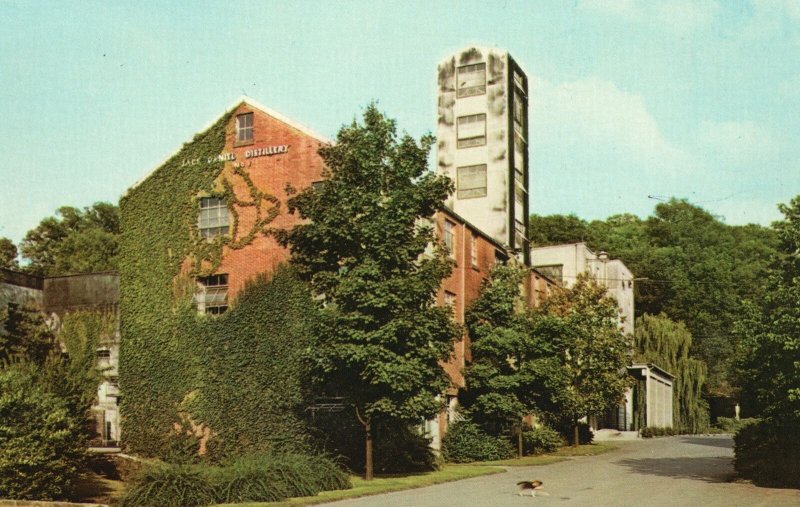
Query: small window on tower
(211, 294)
(471, 80)
(471, 131)
(244, 128)
(471, 181)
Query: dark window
(244, 128)
(104, 354)
(213, 218)
(211, 295)
(471, 130)
(471, 80)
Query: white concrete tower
(483, 142)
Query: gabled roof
(241, 100)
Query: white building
(563, 263)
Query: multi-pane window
(244, 128)
(449, 237)
(449, 299)
(473, 250)
(211, 294)
(471, 130)
(471, 181)
(471, 80)
(213, 218)
(519, 228)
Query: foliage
(567, 430)
(585, 373)
(211, 377)
(556, 230)
(465, 442)
(502, 384)
(399, 446)
(251, 478)
(380, 341)
(541, 439)
(8, 254)
(666, 343)
(27, 335)
(768, 453)
(692, 266)
(733, 425)
(658, 431)
(74, 241)
(41, 443)
(768, 364)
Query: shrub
(171, 486)
(567, 431)
(466, 442)
(540, 440)
(254, 478)
(733, 425)
(658, 431)
(41, 444)
(768, 453)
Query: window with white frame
(211, 294)
(244, 128)
(449, 237)
(471, 80)
(213, 218)
(471, 130)
(471, 181)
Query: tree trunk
(576, 439)
(368, 464)
(519, 442)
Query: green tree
(556, 229)
(667, 343)
(504, 381)
(74, 241)
(8, 254)
(41, 443)
(587, 372)
(768, 365)
(362, 245)
(25, 335)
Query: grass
(386, 484)
(554, 457)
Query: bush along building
(77, 307)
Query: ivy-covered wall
(232, 381)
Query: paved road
(673, 471)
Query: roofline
(108, 272)
(479, 47)
(475, 228)
(653, 367)
(238, 102)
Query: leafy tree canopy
(8, 254)
(74, 241)
(362, 243)
(696, 268)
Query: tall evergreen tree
(362, 244)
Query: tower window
(244, 128)
(471, 130)
(519, 112)
(471, 80)
(211, 294)
(471, 181)
(213, 218)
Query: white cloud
(594, 114)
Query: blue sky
(631, 101)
